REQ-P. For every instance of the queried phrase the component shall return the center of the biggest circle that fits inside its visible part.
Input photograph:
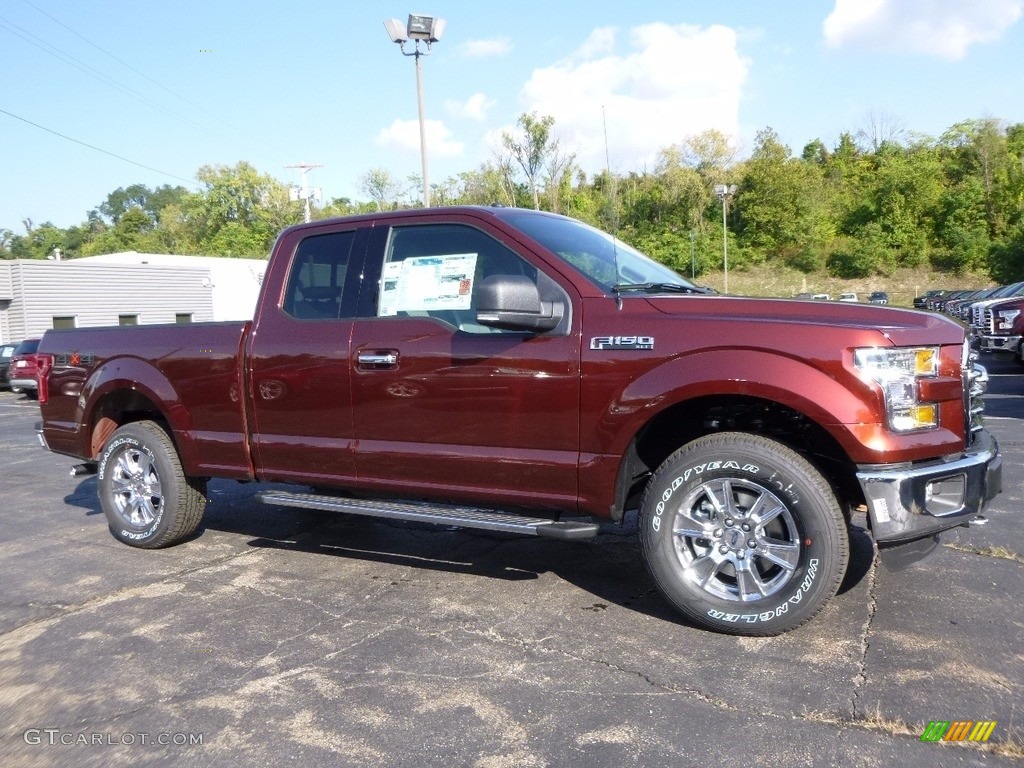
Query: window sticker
(427, 283)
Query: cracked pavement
(278, 635)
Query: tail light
(43, 365)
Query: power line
(42, 45)
(150, 79)
(190, 182)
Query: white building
(124, 289)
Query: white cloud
(944, 28)
(601, 41)
(672, 82)
(475, 107)
(404, 136)
(476, 49)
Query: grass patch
(783, 281)
(1001, 553)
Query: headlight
(897, 371)
(1006, 318)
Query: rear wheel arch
(117, 408)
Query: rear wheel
(148, 500)
(742, 535)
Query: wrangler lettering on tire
(147, 499)
(742, 535)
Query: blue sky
(176, 85)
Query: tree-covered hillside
(881, 200)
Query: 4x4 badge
(622, 342)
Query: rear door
(444, 406)
(298, 374)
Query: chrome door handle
(389, 359)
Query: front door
(450, 409)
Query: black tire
(32, 394)
(1019, 357)
(148, 500)
(742, 535)
(16, 390)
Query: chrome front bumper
(998, 343)
(906, 503)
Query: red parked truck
(520, 371)
(1001, 327)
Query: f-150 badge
(622, 342)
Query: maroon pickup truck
(520, 371)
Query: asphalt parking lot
(282, 637)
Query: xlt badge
(622, 342)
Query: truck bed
(190, 373)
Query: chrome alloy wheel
(736, 540)
(135, 488)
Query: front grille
(988, 322)
(975, 385)
(977, 313)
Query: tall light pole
(426, 29)
(725, 194)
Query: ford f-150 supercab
(520, 371)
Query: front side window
(317, 280)
(434, 271)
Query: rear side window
(316, 284)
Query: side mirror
(512, 303)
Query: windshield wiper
(656, 288)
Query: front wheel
(148, 500)
(742, 535)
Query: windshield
(608, 262)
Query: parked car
(921, 302)
(822, 296)
(23, 373)
(6, 351)
(851, 297)
(879, 297)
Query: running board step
(463, 517)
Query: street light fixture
(428, 30)
(725, 194)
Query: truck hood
(901, 327)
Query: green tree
(381, 187)
(782, 206)
(532, 147)
(238, 212)
(141, 197)
(134, 231)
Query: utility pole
(304, 192)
